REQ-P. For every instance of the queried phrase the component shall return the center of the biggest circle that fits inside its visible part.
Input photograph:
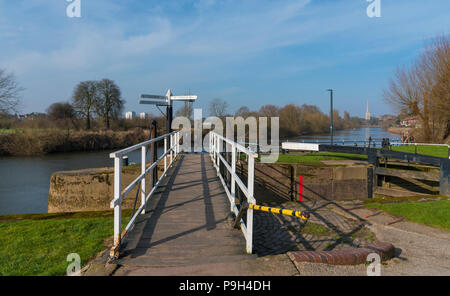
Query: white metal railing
(216, 143)
(120, 194)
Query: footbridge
(186, 205)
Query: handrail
(137, 146)
(120, 194)
(216, 143)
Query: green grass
(313, 229)
(431, 213)
(316, 229)
(438, 151)
(7, 131)
(313, 157)
(39, 244)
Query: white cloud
(169, 49)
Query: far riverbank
(399, 130)
(41, 142)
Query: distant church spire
(367, 111)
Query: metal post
(177, 143)
(219, 142)
(251, 200)
(165, 157)
(210, 143)
(153, 155)
(233, 173)
(171, 151)
(117, 206)
(143, 167)
(331, 115)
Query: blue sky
(247, 52)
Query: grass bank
(438, 151)
(39, 244)
(431, 213)
(312, 157)
(31, 142)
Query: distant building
(412, 121)
(367, 112)
(21, 117)
(143, 115)
(130, 115)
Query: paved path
(420, 250)
(187, 228)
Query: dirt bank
(399, 130)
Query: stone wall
(280, 181)
(90, 189)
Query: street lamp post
(331, 115)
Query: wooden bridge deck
(187, 223)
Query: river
(349, 137)
(25, 181)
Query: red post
(300, 188)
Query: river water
(359, 136)
(25, 181)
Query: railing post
(214, 149)
(165, 157)
(210, 143)
(171, 150)
(233, 173)
(251, 200)
(143, 167)
(217, 154)
(117, 205)
(177, 143)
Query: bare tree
(269, 111)
(243, 111)
(290, 120)
(186, 111)
(218, 108)
(423, 90)
(63, 114)
(108, 103)
(9, 92)
(84, 98)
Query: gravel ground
(420, 250)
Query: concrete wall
(280, 181)
(90, 189)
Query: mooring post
(373, 179)
(292, 177)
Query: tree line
(294, 120)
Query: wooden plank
(429, 176)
